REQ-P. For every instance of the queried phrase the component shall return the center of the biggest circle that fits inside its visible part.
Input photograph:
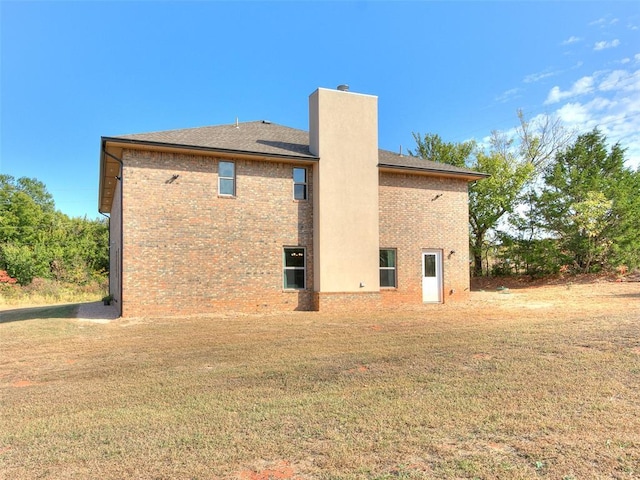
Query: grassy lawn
(534, 383)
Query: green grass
(484, 391)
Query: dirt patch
(22, 383)
(527, 281)
(278, 470)
(576, 296)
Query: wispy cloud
(571, 40)
(604, 21)
(620, 80)
(536, 77)
(581, 87)
(604, 44)
(508, 95)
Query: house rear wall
(421, 212)
(188, 250)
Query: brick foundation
(329, 302)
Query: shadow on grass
(627, 295)
(42, 313)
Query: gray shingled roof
(250, 137)
(264, 137)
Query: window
(295, 270)
(226, 178)
(430, 265)
(300, 183)
(388, 268)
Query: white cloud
(571, 40)
(621, 80)
(614, 108)
(604, 21)
(604, 44)
(581, 87)
(573, 114)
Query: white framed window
(299, 183)
(226, 178)
(388, 271)
(295, 268)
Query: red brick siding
(346, 301)
(115, 236)
(419, 212)
(188, 250)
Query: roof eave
(468, 176)
(132, 143)
(116, 145)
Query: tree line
(555, 201)
(36, 240)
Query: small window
(300, 183)
(226, 178)
(295, 270)
(429, 265)
(388, 268)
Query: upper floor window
(388, 277)
(299, 183)
(226, 178)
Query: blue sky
(72, 72)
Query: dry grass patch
(532, 383)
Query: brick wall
(188, 251)
(420, 212)
(346, 301)
(115, 236)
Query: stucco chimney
(343, 132)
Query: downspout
(109, 243)
(104, 151)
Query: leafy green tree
(38, 241)
(489, 199)
(514, 162)
(432, 147)
(589, 204)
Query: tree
(589, 204)
(490, 198)
(514, 161)
(38, 241)
(433, 148)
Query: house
(261, 217)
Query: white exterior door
(432, 276)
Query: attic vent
(343, 88)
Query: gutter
(449, 173)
